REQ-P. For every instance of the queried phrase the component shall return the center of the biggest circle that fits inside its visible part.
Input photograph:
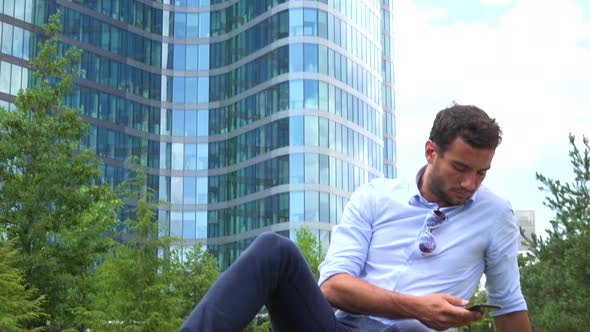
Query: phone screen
(482, 306)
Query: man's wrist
(405, 306)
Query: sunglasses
(426, 241)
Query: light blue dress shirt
(377, 241)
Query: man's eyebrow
(460, 164)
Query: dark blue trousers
(270, 272)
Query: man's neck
(425, 192)
(422, 187)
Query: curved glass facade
(248, 116)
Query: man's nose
(469, 182)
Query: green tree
(49, 205)
(19, 304)
(555, 274)
(311, 248)
(480, 296)
(260, 323)
(191, 271)
(132, 292)
(487, 324)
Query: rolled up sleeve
(351, 238)
(502, 275)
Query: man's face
(455, 175)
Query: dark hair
(468, 122)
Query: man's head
(468, 122)
(462, 143)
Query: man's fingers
(460, 316)
(454, 300)
(445, 311)
(470, 316)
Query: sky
(525, 62)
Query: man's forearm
(438, 311)
(517, 321)
(352, 295)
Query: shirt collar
(416, 197)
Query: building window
(190, 190)
(176, 190)
(311, 130)
(177, 156)
(311, 94)
(296, 206)
(201, 226)
(296, 168)
(176, 224)
(188, 225)
(312, 206)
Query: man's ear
(430, 151)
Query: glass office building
(248, 116)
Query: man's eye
(460, 168)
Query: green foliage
(19, 304)
(480, 296)
(142, 285)
(311, 248)
(555, 274)
(130, 292)
(49, 206)
(192, 271)
(254, 326)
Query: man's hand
(442, 311)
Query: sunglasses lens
(427, 243)
(435, 218)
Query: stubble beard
(436, 186)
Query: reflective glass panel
(324, 208)
(296, 94)
(312, 206)
(203, 122)
(177, 156)
(203, 90)
(311, 168)
(188, 225)
(311, 94)
(296, 206)
(201, 224)
(7, 38)
(190, 156)
(176, 187)
(202, 184)
(311, 130)
(296, 131)
(190, 190)
(202, 156)
(176, 224)
(296, 22)
(190, 123)
(310, 57)
(296, 168)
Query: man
(404, 257)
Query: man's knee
(276, 243)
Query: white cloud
(531, 71)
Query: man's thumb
(455, 300)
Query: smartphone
(482, 306)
